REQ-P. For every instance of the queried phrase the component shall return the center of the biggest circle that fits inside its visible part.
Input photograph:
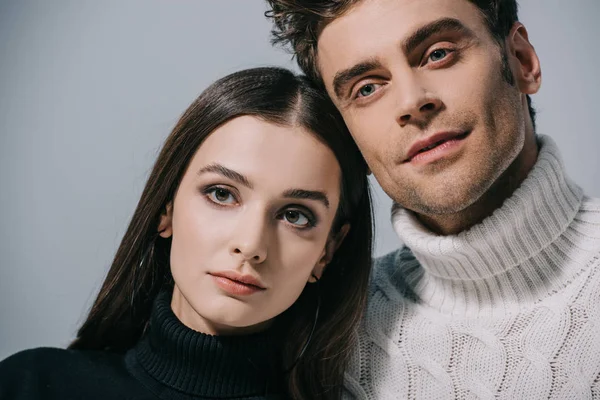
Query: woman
(244, 268)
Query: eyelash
(208, 191)
(312, 220)
(357, 94)
(450, 52)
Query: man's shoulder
(590, 204)
(585, 229)
(393, 263)
(394, 257)
(386, 259)
(392, 273)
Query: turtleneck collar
(208, 366)
(507, 258)
(536, 214)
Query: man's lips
(432, 142)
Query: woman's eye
(367, 90)
(221, 196)
(438, 55)
(297, 218)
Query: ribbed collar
(207, 366)
(536, 214)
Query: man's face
(421, 88)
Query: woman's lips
(237, 284)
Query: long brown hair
(141, 267)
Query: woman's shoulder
(39, 354)
(51, 359)
(51, 372)
(28, 363)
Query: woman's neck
(186, 313)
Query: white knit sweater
(509, 309)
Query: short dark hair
(121, 312)
(300, 22)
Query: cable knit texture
(509, 309)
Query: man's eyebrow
(342, 78)
(435, 27)
(307, 194)
(227, 173)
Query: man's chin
(438, 209)
(443, 200)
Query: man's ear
(333, 244)
(165, 226)
(523, 60)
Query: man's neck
(503, 188)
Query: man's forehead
(370, 25)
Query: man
(497, 291)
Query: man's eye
(221, 196)
(438, 55)
(368, 89)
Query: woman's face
(250, 225)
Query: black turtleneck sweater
(170, 362)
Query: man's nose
(415, 104)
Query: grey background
(89, 90)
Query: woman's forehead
(264, 152)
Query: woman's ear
(333, 244)
(165, 226)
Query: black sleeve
(20, 375)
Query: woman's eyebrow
(227, 173)
(307, 194)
